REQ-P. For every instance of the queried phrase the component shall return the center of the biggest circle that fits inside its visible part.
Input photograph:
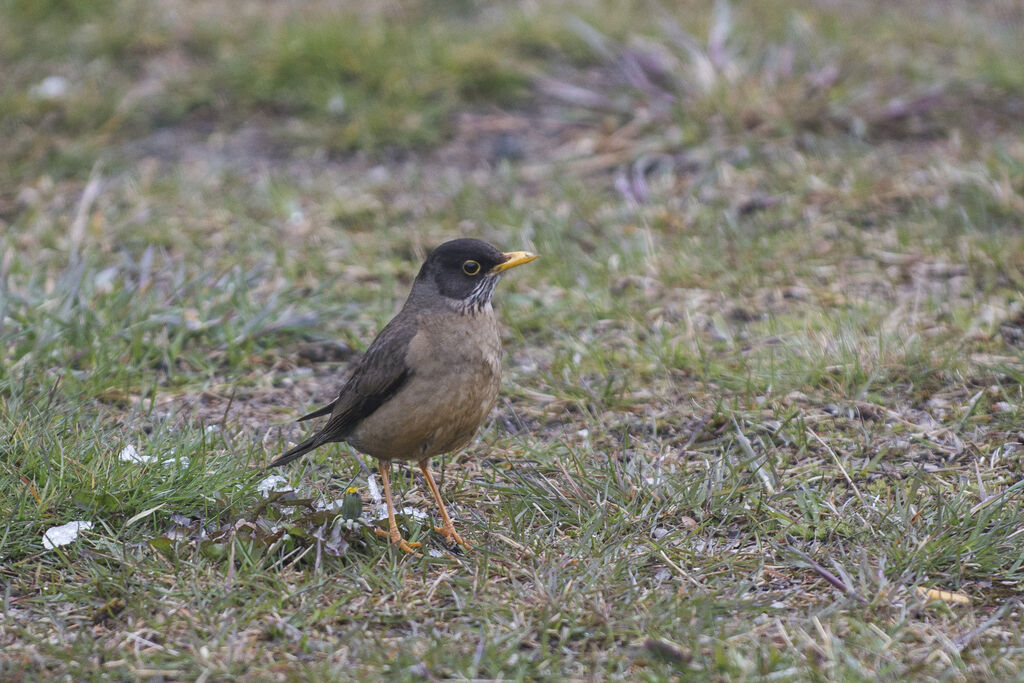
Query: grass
(762, 392)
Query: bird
(429, 378)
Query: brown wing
(381, 372)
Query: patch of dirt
(266, 411)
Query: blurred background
(626, 94)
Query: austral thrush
(430, 377)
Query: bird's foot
(396, 538)
(449, 534)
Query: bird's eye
(471, 267)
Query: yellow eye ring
(471, 267)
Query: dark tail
(307, 445)
(297, 452)
(326, 410)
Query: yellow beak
(513, 259)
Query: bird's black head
(465, 271)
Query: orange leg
(392, 533)
(447, 529)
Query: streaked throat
(479, 299)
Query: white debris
(50, 88)
(275, 482)
(336, 105)
(374, 491)
(378, 175)
(104, 280)
(130, 454)
(329, 505)
(418, 515)
(65, 533)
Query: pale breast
(456, 371)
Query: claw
(409, 547)
(449, 534)
(397, 539)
